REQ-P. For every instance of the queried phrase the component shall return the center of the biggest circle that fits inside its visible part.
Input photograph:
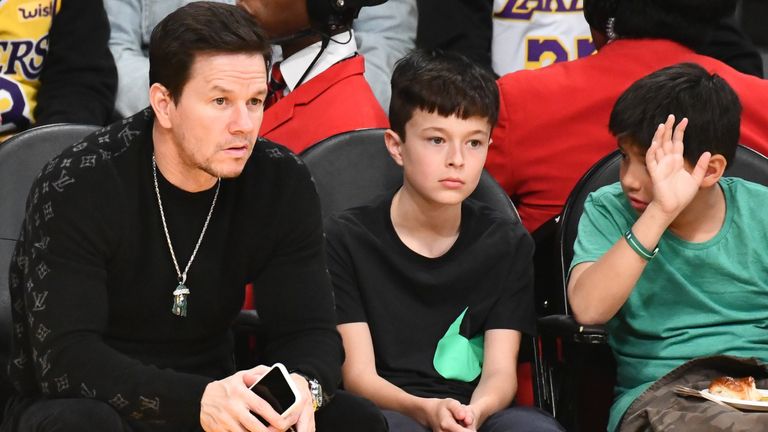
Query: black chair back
(21, 159)
(604, 172)
(352, 168)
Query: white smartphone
(278, 389)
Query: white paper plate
(742, 404)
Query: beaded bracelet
(638, 247)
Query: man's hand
(227, 405)
(442, 414)
(673, 187)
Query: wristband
(638, 247)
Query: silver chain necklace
(181, 292)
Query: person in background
(55, 66)
(458, 26)
(551, 120)
(318, 90)
(533, 35)
(131, 23)
(383, 33)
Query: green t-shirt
(693, 299)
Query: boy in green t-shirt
(672, 259)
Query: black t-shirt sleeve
(59, 286)
(349, 306)
(293, 291)
(515, 308)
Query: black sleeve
(60, 303)
(346, 294)
(293, 291)
(516, 308)
(79, 80)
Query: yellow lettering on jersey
(524, 7)
(523, 10)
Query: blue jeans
(517, 419)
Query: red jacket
(553, 122)
(338, 100)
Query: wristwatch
(315, 390)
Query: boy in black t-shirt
(433, 290)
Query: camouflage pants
(660, 409)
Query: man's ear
(715, 170)
(394, 146)
(161, 101)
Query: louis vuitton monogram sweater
(92, 277)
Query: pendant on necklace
(180, 300)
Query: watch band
(315, 390)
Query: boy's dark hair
(442, 82)
(688, 22)
(685, 90)
(201, 27)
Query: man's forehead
(227, 60)
(221, 69)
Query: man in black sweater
(139, 240)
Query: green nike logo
(457, 357)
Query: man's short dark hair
(688, 22)
(442, 82)
(201, 27)
(685, 90)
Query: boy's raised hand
(673, 186)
